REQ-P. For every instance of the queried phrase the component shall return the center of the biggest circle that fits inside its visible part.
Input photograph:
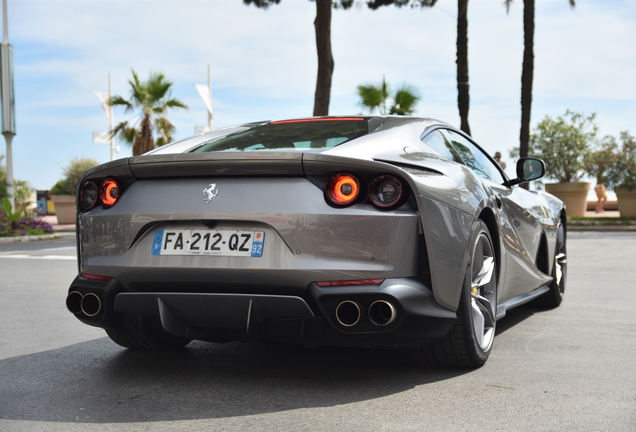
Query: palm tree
(322, 26)
(463, 95)
(152, 98)
(527, 72)
(375, 97)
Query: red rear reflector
(319, 119)
(351, 282)
(96, 277)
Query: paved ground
(572, 368)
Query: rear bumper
(310, 319)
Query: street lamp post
(106, 137)
(8, 100)
(205, 91)
(210, 115)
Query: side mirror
(528, 169)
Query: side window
(474, 158)
(441, 145)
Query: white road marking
(59, 248)
(41, 257)
(38, 250)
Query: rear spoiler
(215, 164)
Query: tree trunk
(325, 58)
(463, 96)
(144, 142)
(526, 77)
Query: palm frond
(117, 129)
(508, 3)
(175, 103)
(124, 132)
(165, 128)
(370, 97)
(118, 100)
(264, 4)
(405, 100)
(138, 90)
(424, 3)
(341, 4)
(130, 134)
(157, 86)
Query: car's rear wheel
(554, 296)
(470, 340)
(128, 340)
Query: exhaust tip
(91, 305)
(382, 313)
(348, 313)
(74, 302)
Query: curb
(607, 228)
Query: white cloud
(264, 64)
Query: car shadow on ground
(518, 315)
(99, 382)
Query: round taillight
(110, 192)
(343, 189)
(89, 194)
(385, 191)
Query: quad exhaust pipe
(88, 304)
(91, 305)
(381, 313)
(74, 302)
(349, 313)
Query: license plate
(209, 242)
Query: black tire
(554, 296)
(146, 343)
(469, 342)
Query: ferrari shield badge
(210, 192)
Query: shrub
(601, 163)
(59, 188)
(624, 173)
(564, 145)
(14, 223)
(72, 175)
(21, 189)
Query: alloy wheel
(483, 292)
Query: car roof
(376, 124)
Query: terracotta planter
(64, 208)
(626, 202)
(574, 195)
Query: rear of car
(255, 233)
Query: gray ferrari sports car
(354, 231)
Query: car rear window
(290, 135)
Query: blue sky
(264, 65)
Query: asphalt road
(572, 368)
